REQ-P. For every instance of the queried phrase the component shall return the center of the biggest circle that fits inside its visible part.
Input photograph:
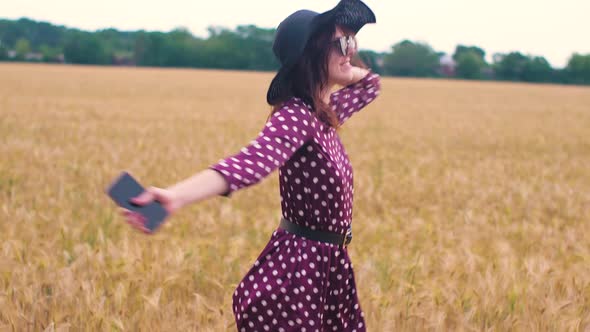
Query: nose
(350, 51)
(351, 47)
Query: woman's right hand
(164, 196)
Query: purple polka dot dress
(298, 284)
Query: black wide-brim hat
(294, 32)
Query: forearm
(205, 184)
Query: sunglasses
(345, 44)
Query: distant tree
(564, 76)
(149, 49)
(537, 69)
(220, 49)
(518, 67)
(46, 33)
(85, 48)
(461, 49)
(372, 59)
(470, 65)
(36, 33)
(50, 54)
(115, 41)
(9, 33)
(510, 67)
(3, 52)
(258, 43)
(578, 69)
(180, 49)
(248, 47)
(411, 59)
(22, 47)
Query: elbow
(225, 184)
(234, 181)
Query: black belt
(329, 237)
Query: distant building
(34, 56)
(123, 60)
(497, 57)
(380, 61)
(447, 66)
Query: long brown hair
(309, 76)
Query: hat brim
(278, 86)
(352, 14)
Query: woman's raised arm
(364, 88)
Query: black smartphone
(125, 187)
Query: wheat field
(472, 201)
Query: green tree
(258, 45)
(470, 65)
(372, 59)
(578, 69)
(518, 67)
(225, 49)
(50, 54)
(150, 49)
(537, 69)
(510, 67)
(461, 49)
(85, 48)
(248, 47)
(411, 59)
(180, 49)
(36, 33)
(22, 47)
(115, 41)
(3, 52)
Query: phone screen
(126, 187)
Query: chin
(342, 77)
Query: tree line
(249, 47)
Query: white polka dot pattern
(285, 132)
(298, 284)
(352, 98)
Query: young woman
(303, 279)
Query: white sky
(554, 29)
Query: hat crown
(292, 35)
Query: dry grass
(472, 201)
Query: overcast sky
(554, 29)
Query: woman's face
(339, 68)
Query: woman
(303, 279)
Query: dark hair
(309, 76)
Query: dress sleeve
(354, 97)
(284, 133)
